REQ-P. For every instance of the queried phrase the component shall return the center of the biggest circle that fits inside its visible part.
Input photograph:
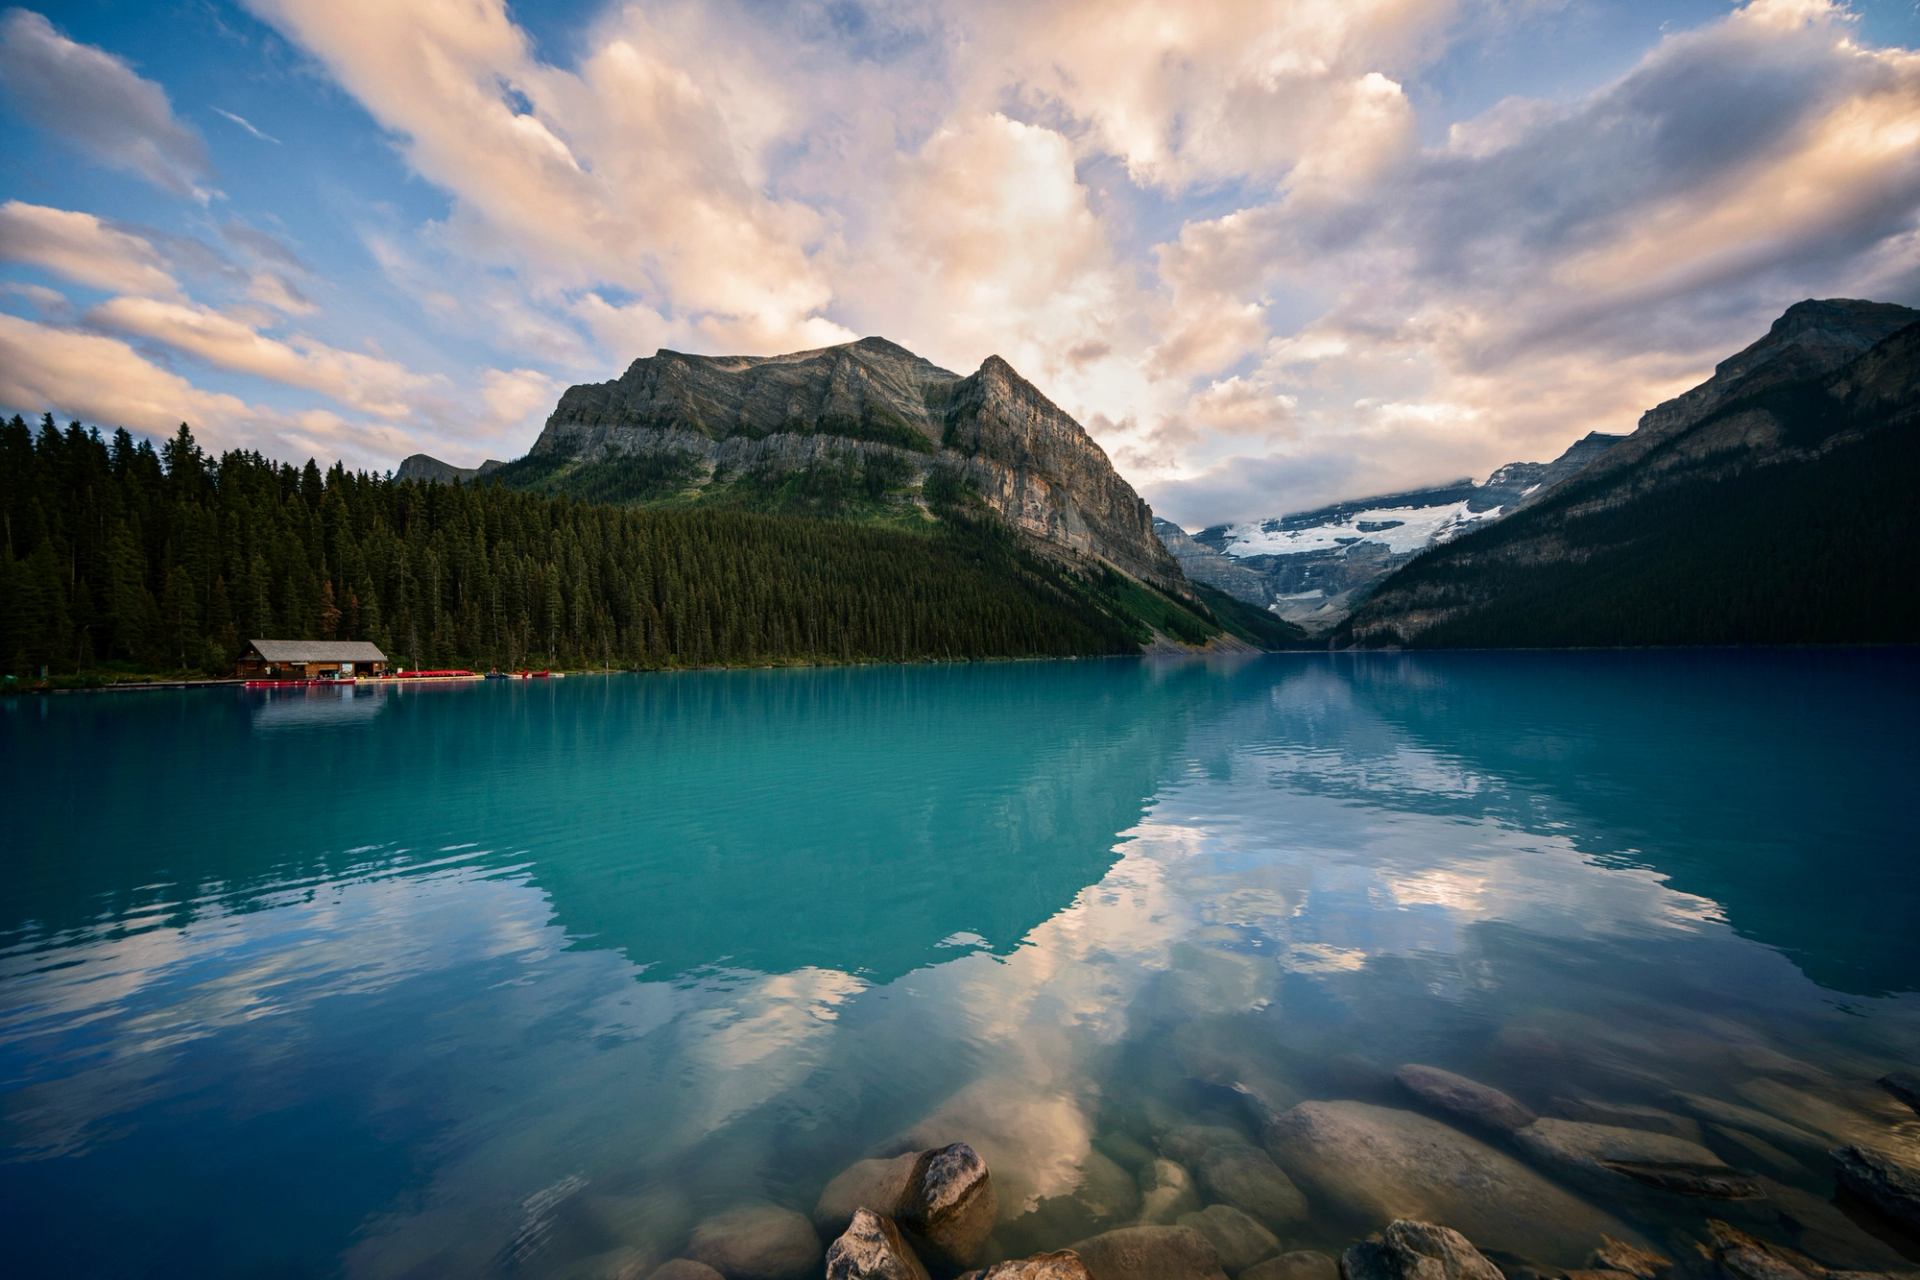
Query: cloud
(1213, 233)
(82, 248)
(363, 382)
(99, 104)
(630, 170)
(247, 124)
(1240, 405)
(262, 246)
(1554, 268)
(516, 399)
(105, 381)
(271, 289)
(1188, 94)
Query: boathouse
(310, 660)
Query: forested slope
(115, 555)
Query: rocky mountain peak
(1810, 339)
(1032, 463)
(1825, 331)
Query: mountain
(867, 429)
(871, 434)
(421, 466)
(1313, 566)
(1773, 503)
(1203, 564)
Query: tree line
(117, 556)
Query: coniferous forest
(119, 557)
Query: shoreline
(212, 682)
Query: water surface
(498, 977)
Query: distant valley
(1310, 566)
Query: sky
(1271, 255)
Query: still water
(497, 978)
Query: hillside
(122, 560)
(1772, 504)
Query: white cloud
(82, 248)
(1194, 93)
(627, 171)
(367, 383)
(100, 104)
(1013, 178)
(246, 124)
(1556, 268)
(516, 400)
(101, 380)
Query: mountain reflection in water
(433, 978)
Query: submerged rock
(1381, 1163)
(1468, 1100)
(1302, 1264)
(652, 1220)
(1105, 1196)
(1166, 1192)
(1416, 1251)
(1734, 1116)
(1107, 1190)
(1755, 1150)
(1129, 1151)
(949, 1203)
(1151, 1253)
(1618, 1255)
(1606, 1157)
(1248, 1179)
(1903, 1085)
(1887, 1182)
(1838, 1120)
(1628, 1115)
(1238, 1239)
(624, 1263)
(871, 1249)
(757, 1242)
(1062, 1264)
(685, 1269)
(1189, 1143)
(1739, 1256)
(873, 1184)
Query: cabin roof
(318, 651)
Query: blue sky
(1270, 254)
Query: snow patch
(1408, 529)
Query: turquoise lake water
(496, 978)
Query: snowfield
(1413, 529)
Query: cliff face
(1203, 564)
(866, 390)
(1040, 471)
(1032, 463)
(1770, 504)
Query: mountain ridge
(1772, 503)
(868, 417)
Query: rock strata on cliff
(721, 416)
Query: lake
(533, 977)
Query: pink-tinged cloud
(81, 248)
